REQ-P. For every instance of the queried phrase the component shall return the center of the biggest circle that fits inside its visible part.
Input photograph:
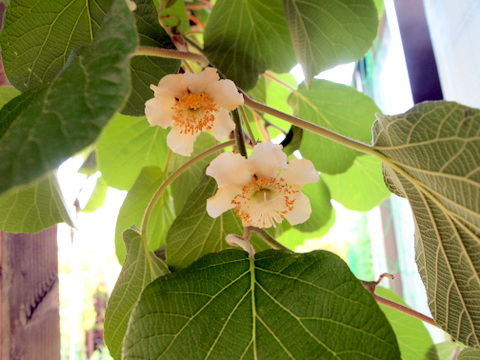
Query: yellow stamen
(264, 201)
(194, 113)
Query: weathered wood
(29, 299)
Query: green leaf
(254, 33)
(319, 196)
(39, 35)
(278, 306)
(432, 157)
(444, 351)
(126, 145)
(176, 17)
(68, 114)
(412, 336)
(339, 108)
(98, 196)
(329, 33)
(7, 93)
(194, 233)
(133, 209)
(469, 354)
(33, 208)
(148, 70)
(141, 268)
(361, 187)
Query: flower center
(194, 113)
(264, 202)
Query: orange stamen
(194, 113)
(258, 193)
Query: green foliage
(228, 306)
(412, 336)
(39, 36)
(133, 208)
(339, 108)
(251, 31)
(328, 33)
(75, 63)
(141, 267)
(432, 159)
(361, 187)
(469, 354)
(57, 121)
(147, 70)
(126, 145)
(33, 207)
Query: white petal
(173, 84)
(301, 210)
(159, 111)
(267, 159)
(222, 201)
(225, 94)
(223, 125)
(199, 82)
(181, 143)
(300, 172)
(229, 169)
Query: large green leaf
(147, 70)
(39, 35)
(126, 145)
(34, 207)
(412, 336)
(68, 114)
(361, 187)
(194, 233)
(133, 209)
(254, 33)
(339, 108)
(469, 354)
(276, 306)
(329, 33)
(141, 268)
(432, 156)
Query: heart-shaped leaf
(432, 157)
(336, 107)
(66, 115)
(276, 306)
(329, 33)
(141, 267)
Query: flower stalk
(172, 54)
(159, 192)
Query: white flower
(191, 103)
(131, 5)
(262, 189)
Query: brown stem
(405, 310)
(269, 239)
(172, 54)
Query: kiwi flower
(191, 103)
(263, 189)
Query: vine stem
(405, 310)
(158, 193)
(238, 132)
(357, 145)
(172, 54)
(268, 239)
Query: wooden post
(29, 299)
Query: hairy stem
(405, 310)
(357, 145)
(172, 54)
(156, 196)
(269, 239)
(239, 139)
